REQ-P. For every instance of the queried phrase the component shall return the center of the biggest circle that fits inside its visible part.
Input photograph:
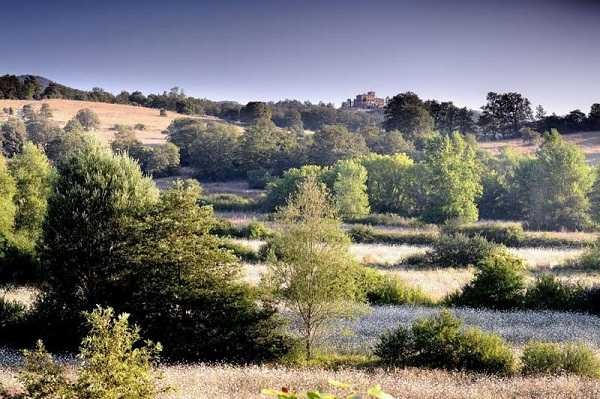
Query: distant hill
(42, 81)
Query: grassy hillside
(589, 142)
(109, 114)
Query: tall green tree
(215, 150)
(335, 142)
(389, 182)
(555, 186)
(7, 192)
(407, 113)
(350, 189)
(34, 178)
(505, 113)
(95, 197)
(313, 273)
(88, 119)
(12, 136)
(448, 180)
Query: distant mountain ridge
(42, 81)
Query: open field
(109, 114)
(204, 381)
(589, 142)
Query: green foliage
(501, 198)
(441, 342)
(448, 181)
(380, 289)
(550, 293)
(12, 137)
(349, 189)
(555, 186)
(312, 257)
(88, 119)
(8, 191)
(159, 160)
(388, 183)
(551, 358)
(232, 202)
(213, 150)
(505, 113)
(386, 219)
(498, 284)
(283, 188)
(509, 234)
(367, 234)
(459, 250)
(266, 146)
(96, 193)
(335, 142)
(114, 365)
(34, 178)
(258, 178)
(407, 113)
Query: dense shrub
(381, 289)
(550, 293)
(498, 283)
(552, 358)
(258, 178)
(441, 342)
(232, 202)
(366, 234)
(510, 234)
(243, 252)
(459, 250)
(590, 259)
(385, 219)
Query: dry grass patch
(109, 114)
(216, 382)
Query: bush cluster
(509, 234)
(232, 202)
(367, 234)
(381, 289)
(552, 358)
(499, 283)
(441, 342)
(459, 250)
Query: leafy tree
(350, 189)
(255, 111)
(158, 160)
(12, 136)
(407, 113)
(285, 187)
(125, 140)
(183, 132)
(449, 118)
(501, 198)
(41, 131)
(386, 142)
(7, 193)
(505, 113)
(88, 119)
(555, 186)
(389, 183)
(181, 277)
(215, 150)
(594, 117)
(448, 180)
(64, 145)
(266, 146)
(33, 176)
(314, 274)
(335, 142)
(95, 196)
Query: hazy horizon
(270, 51)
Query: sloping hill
(589, 142)
(109, 114)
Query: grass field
(205, 381)
(589, 142)
(109, 114)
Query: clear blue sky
(324, 50)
